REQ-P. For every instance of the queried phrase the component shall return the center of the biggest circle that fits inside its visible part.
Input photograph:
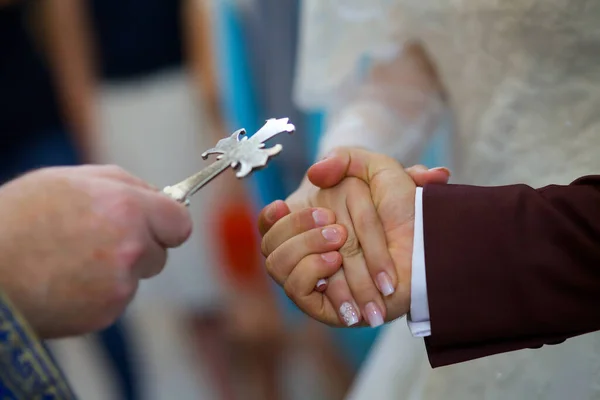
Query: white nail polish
(373, 315)
(321, 283)
(320, 217)
(349, 314)
(384, 282)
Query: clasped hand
(356, 210)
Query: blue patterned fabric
(27, 371)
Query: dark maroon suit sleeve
(510, 267)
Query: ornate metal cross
(246, 153)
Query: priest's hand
(75, 241)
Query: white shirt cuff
(418, 318)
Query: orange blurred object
(239, 243)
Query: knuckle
(352, 183)
(276, 269)
(297, 219)
(322, 311)
(264, 246)
(317, 307)
(351, 248)
(365, 291)
(311, 242)
(124, 291)
(290, 291)
(366, 220)
(125, 206)
(270, 266)
(300, 221)
(129, 254)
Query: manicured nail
(384, 283)
(373, 315)
(349, 314)
(331, 234)
(321, 283)
(330, 257)
(320, 217)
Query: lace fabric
(523, 81)
(521, 75)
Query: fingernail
(320, 217)
(443, 169)
(321, 283)
(330, 257)
(326, 157)
(271, 212)
(373, 315)
(349, 314)
(384, 283)
(331, 234)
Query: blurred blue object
(242, 108)
(45, 148)
(239, 100)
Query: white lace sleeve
(373, 123)
(339, 42)
(334, 37)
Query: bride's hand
(301, 249)
(352, 287)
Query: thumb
(351, 162)
(362, 164)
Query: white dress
(523, 77)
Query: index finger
(295, 224)
(271, 214)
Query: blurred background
(149, 85)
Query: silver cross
(246, 153)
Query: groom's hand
(346, 162)
(393, 191)
(393, 195)
(388, 179)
